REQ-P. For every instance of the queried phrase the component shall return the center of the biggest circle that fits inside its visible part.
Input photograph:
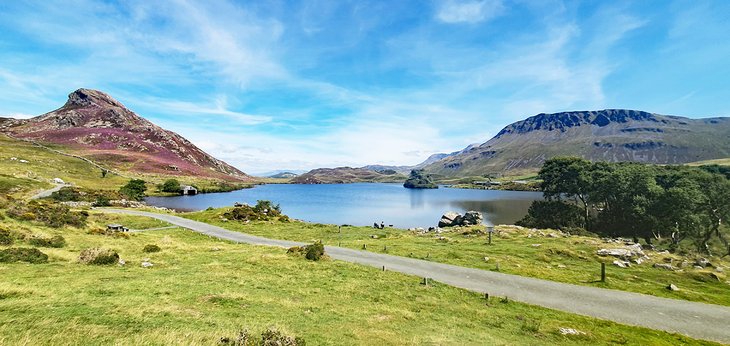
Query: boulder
(570, 331)
(472, 218)
(673, 287)
(621, 264)
(626, 253)
(665, 266)
(450, 219)
(703, 262)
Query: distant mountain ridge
(606, 135)
(98, 127)
(345, 175)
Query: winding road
(696, 320)
(49, 192)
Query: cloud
(217, 108)
(454, 11)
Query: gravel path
(697, 320)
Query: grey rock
(665, 266)
(622, 264)
(673, 287)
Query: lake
(366, 203)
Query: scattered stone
(703, 262)
(562, 266)
(698, 267)
(684, 264)
(486, 259)
(641, 260)
(374, 236)
(536, 245)
(146, 264)
(23, 161)
(472, 218)
(673, 287)
(665, 266)
(622, 264)
(719, 269)
(215, 249)
(420, 230)
(570, 331)
(553, 235)
(122, 262)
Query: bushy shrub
(262, 211)
(98, 256)
(103, 231)
(50, 214)
(269, 337)
(170, 185)
(101, 201)
(552, 214)
(19, 254)
(134, 189)
(314, 252)
(67, 194)
(56, 241)
(151, 248)
(5, 237)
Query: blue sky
(271, 85)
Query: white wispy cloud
(456, 11)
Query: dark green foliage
(269, 337)
(418, 179)
(674, 203)
(101, 201)
(66, 194)
(170, 185)
(134, 190)
(30, 255)
(51, 214)
(5, 237)
(56, 241)
(262, 211)
(552, 214)
(717, 169)
(151, 248)
(314, 252)
(98, 256)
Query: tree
(568, 177)
(552, 214)
(170, 185)
(134, 189)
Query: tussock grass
(571, 260)
(194, 296)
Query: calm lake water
(364, 204)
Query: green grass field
(201, 289)
(571, 260)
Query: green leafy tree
(134, 189)
(170, 185)
(568, 177)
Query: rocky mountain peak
(564, 120)
(89, 97)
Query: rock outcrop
(451, 219)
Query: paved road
(697, 320)
(47, 193)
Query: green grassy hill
(201, 289)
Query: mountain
(283, 175)
(405, 170)
(94, 125)
(345, 175)
(606, 135)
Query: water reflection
(363, 204)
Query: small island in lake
(418, 179)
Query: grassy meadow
(201, 289)
(514, 250)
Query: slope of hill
(94, 125)
(345, 175)
(606, 135)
